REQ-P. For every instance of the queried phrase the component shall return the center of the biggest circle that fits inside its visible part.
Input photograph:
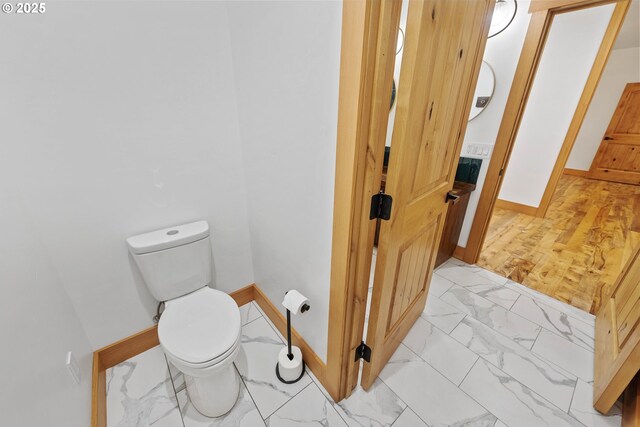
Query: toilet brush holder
(291, 367)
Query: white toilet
(199, 329)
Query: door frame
(368, 52)
(367, 59)
(542, 14)
(445, 69)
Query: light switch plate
(478, 151)
(72, 365)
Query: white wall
(286, 60)
(123, 117)
(502, 53)
(396, 69)
(623, 67)
(39, 327)
(117, 118)
(572, 45)
(629, 35)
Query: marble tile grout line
(396, 420)
(529, 388)
(519, 382)
(515, 301)
(441, 374)
(467, 374)
(575, 356)
(251, 321)
(271, 325)
(562, 370)
(313, 380)
(173, 386)
(184, 388)
(311, 383)
(497, 305)
(556, 331)
(333, 404)
(540, 327)
(536, 340)
(288, 400)
(521, 289)
(458, 386)
(572, 396)
(400, 399)
(247, 388)
(549, 304)
(438, 370)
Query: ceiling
(630, 33)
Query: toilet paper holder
(291, 367)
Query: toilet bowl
(199, 330)
(200, 335)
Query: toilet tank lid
(168, 237)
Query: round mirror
(484, 90)
(400, 44)
(393, 95)
(503, 14)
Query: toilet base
(215, 395)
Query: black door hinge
(363, 351)
(501, 172)
(380, 206)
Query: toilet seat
(200, 329)
(194, 366)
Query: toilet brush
(290, 367)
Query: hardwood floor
(574, 254)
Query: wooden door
(443, 50)
(617, 355)
(618, 158)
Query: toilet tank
(174, 261)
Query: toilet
(199, 330)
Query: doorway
(528, 224)
(434, 97)
(359, 171)
(576, 252)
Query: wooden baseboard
(109, 356)
(98, 393)
(631, 405)
(517, 207)
(245, 295)
(126, 348)
(575, 172)
(133, 345)
(458, 253)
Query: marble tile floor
(485, 352)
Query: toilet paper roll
(294, 300)
(290, 370)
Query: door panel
(443, 50)
(627, 309)
(618, 158)
(410, 279)
(628, 122)
(617, 358)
